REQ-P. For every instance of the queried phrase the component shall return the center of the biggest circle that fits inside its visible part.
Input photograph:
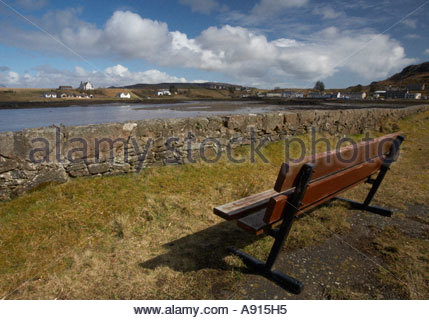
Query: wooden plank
(333, 161)
(318, 192)
(275, 209)
(239, 208)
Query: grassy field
(109, 94)
(152, 235)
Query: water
(18, 119)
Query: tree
(319, 86)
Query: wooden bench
(304, 186)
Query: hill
(181, 85)
(412, 75)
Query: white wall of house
(164, 93)
(124, 95)
(86, 86)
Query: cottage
(396, 94)
(315, 95)
(416, 95)
(217, 87)
(353, 95)
(124, 95)
(47, 95)
(86, 86)
(63, 95)
(288, 94)
(380, 94)
(65, 87)
(164, 92)
(273, 95)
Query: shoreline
(320, 103)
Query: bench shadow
(208, 248)
(204, 249)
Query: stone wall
(35, 156)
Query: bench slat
(333, 161)
(318, 192)
(239, 208)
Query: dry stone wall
(32, 157)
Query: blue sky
(263, 43)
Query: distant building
(86, 86)
(273, 95)
(124, 95)
(164, 92)
(352, 95)
(217, 87)
(416, 87)
(63, 95)
(315, 95)
(65, 87)
(292, 94)
(396, 94)
(288, 94)
(379, 94)
(49, 95)
(416, 95)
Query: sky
(258, 43)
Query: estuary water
(18, 119)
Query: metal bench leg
(373, 209)
(283, 280)
(266, 269)
(391, 157)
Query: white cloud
(265, 6)
(202, 6)
(32, 4)
(427, 51)
(48, 77)
(327, 12)
(12, 77)
(242, 54)
(410, 23)
(412, 36)
(266, 9)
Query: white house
(292, 94)
(49, 95)
(164, 92)
(353, 95)
(86, 86)
(380, 94)
(314, 95)
(288, 94)
(416, 95)
(273, 95)
(124, 95)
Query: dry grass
(153, 235)
(35, 95)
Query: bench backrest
(334, 172)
